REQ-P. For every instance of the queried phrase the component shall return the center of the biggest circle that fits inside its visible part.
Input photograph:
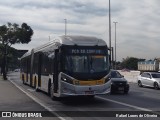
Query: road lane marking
(68, 118)
(125, 104)
(128, 105)
(39, 102)
(31, 90)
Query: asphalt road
(138, 99)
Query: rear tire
(156, 86)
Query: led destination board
(87, 51)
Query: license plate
(121, 88)
(89, 92)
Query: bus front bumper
(76, 90)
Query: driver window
(148, 75)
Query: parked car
(118, 82)
(150, 79)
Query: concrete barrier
(130, 76)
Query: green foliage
(12, 57)
(130, 63)
(12, 33)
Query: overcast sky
(138, 27)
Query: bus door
(55, 69)
(39, 69)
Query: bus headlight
(66, 79)
(107, 79)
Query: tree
(130, 63)
(11, 34)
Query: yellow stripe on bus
(91, 82)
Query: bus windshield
(86, 63)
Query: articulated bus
(68, 66)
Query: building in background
(149, 65)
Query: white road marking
(31, 90)
(125, 104)
(40, 102)
(128, 105)
(68, 118)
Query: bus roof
(68, 40)
(81, 41)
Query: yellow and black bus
(68, 66)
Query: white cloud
(137, 28)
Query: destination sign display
(87, 51)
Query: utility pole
(112, 55)
(115, 46)
(110, 32)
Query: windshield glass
(86, 63)
(156, 75)
(115, 74)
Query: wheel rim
(139, 83)
(156, 86)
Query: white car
(150, 79)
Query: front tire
(49, 87)
(140, 84)
(52, 92)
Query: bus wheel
(23, 80)
(36, 87)
(49, 87)
(35, 83)
(51, 92)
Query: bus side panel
(55, 73)
(27, 70)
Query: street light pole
(65, 26)
(115, 44)
(110, 32)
